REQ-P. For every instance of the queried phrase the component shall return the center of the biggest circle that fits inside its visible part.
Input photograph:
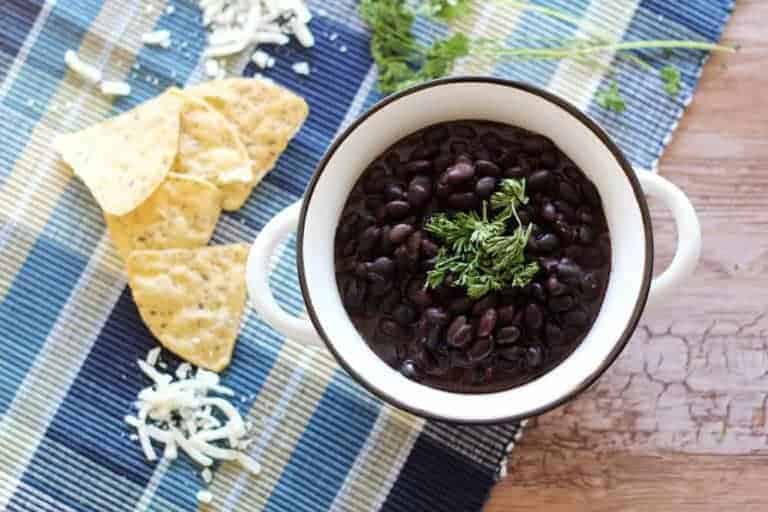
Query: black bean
(348, 227)
(419, 194)
(568, 271)
(383, 266)
(436, 316)
(508, 335)
(536, 144)
(463, 201)
(555, 287)
(391, 328)
(487, 323)
(585, 215)
(354, 295)
(441, 366)
(349, 248)
(436, 134)
(379, 286)
(433, 338)
(590, 193)
(443, 190)
(549, 159)
(480, 350)
(533, 316)
(590, 285)
(413, 244)
(400, 233)
(411, 370)
(537, 292)
(404, 315)
(388, 303)
(460, 337)
(459, 147)
(361, 270)
(461, 305)
(460, 359)
(586, 235)
(418, 167)
(514, 357)
(368, 239)
(398, 209)
(459, 173)
(506, 315)
(547, 242)
(591, 257)
(485, 187)
(487, 168)
(560, 303)
(566, 209)
(442, 162)
(565, 232)
(373, 202)
(426, 152)
(569, 193)
(514, 172)
(548, 212)
(553, 333)
(576, 318)
(386, 247)
(428, 264)
(418, 295)
(491, 300)
(534, 356)
(429, 248)
(549, 265)
(539, 181)
(393, 192)
(463, 130)
(481, 153)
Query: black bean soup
(440, 336)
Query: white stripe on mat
(577, 82)
(29, 41)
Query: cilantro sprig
(403, 62)
(478, 251)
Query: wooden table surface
(680, 422)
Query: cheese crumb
(170, 10)
(205, 497)
(207, 476)
(86, 71)
(161, 38)
(212, 68)
(301, 68)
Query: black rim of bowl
(642, 298)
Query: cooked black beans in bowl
(473, 256)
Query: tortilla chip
(124, 159)
(192, 299)
(210, 148)
(181, 214)
(266, 116)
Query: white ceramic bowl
(621, 189)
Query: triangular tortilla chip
(192, 299)
(210, 148)
(266, 116)
(181, 214)
(124, 159)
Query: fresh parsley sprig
(403, 62)
(478, 251)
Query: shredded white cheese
(81, 68)
(235, 26)
(205, 497)
(301, 68)
(188, 414)
(161, 38)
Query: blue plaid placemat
(70, 333)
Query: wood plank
(679, 423)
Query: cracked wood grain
(680, 422)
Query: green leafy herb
(402, 61)
(445, 9)
(671, 77)
(610, 98)
(477, 251)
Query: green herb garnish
(670, 75)
(479, 252)
(610, 98)
(403, 62)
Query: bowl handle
(258, 269)
(688, 235)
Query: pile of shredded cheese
(189, 413)
(235, 26)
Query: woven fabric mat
(69, 330)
